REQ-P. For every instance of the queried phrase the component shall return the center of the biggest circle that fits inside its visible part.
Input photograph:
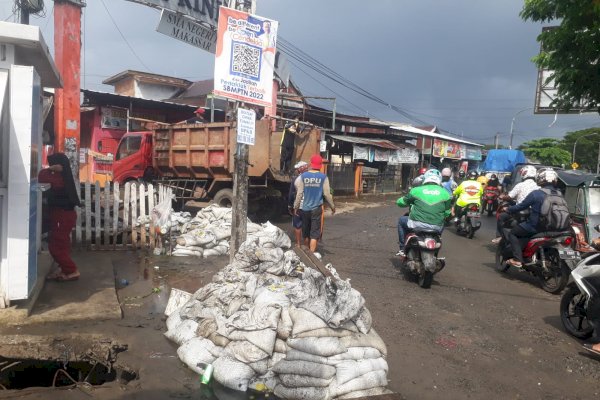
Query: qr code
(245, 60)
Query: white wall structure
(152, 91)
(25, 66)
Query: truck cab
(133, 159)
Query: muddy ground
(475, 334)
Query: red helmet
(422, 171)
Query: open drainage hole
(21, 374)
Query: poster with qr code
(245, 57)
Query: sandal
(590, 348)
(62, 277)
(514, 263)
(54, 274)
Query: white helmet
(432, 176)
(546, 176)
(446, 172)
(528, 171)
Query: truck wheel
(224, 198)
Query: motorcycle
(580, 304)
(468, 221)
(421, 249)
(490, 199)
(549, 256)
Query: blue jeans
(402, 229)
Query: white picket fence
(114, 217)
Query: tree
(586, 152)
(571, 49)
(546, 151)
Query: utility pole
(24, 11)
(598, 162)
(496, 140)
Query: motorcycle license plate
(473, 214)
(568, 254)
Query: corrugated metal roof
(386, 144)
(119, 98)
(410, 128)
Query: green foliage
(546, 151)
(586, 151)
(571, 49)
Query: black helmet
(472, 175)
(461, 174)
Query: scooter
(468, 221)
(549, 256)
(580, 304)
(421, 249)
(490, 199)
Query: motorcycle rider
(418, 181)
(546, 179)
(429, 205)
(461, 177)
(494, 181)
(447, 181)
(482, 178)
(518, 194)
(468, 192)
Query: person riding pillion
(447, 181)
(429, 204)
(468, 192)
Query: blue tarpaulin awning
(503, 160)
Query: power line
(123, 36)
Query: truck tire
(224, 198)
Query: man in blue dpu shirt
(312, 188)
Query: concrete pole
(598, 162)
(239, 211)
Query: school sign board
(186, 30)
(205, 11)
(245, 57)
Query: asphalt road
(477, 333)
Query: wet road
(476, 333)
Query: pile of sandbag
(209, 232)
(268, 322)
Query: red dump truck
(197, 161)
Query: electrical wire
(123, 36)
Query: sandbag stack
(268, 322)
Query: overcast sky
(463, 65)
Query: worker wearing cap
(312, 188)
(300, 168)
(198, 117)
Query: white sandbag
(173, 320)
(258, 317)
(306, 368)
(177, 299)
(285, 325)
(183, 332)
(195, 351)
(351, 369)
(215, 251)
(218, 340)
(295, 381)
(263, 383)
(325, 346)
(367, 381)
(280, 346)
(275, 358)
(232, 373)
(186, 253)
(260, 367)
(355, 353)
(325, 332)
(245, 351)
(296, 355)
(370, 339)
(364, 320)
(366, 393)
(222, 233)
(197, 310)
(272, 294)
(304, 393)
(264, 339)
(304, 320)
(206, 327)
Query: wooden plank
(79, 222)
(309, 259)
(97, 217)
(106, 223)
(88, 215)
(150, 209)
(143, 214)
(126, 214)
(134, 215)
(116, 203)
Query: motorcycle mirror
(597, 228)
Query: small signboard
(246, 126)
(181, 28)
(245, 57)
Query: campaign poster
(245, 57)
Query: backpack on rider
(554, 213)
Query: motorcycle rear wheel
(500, 265)
(469, 229)
(556, 278)
(425, 279)
(573, 314)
